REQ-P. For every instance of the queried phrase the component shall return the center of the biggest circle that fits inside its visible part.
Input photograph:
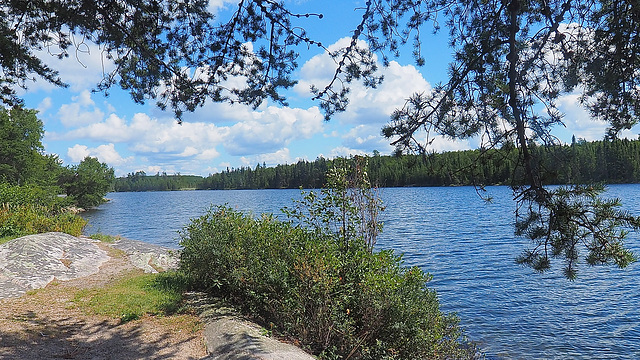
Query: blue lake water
(469, 248)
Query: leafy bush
(322, 284)
(30, 195)
(26, 210)
(21, 220)
(338, 304)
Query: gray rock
(230, 337)
(31, 262)
(151, 258)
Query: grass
(135, 295)
(109, 239)
(5, 239)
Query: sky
(130, 137)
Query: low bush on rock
(317, 279)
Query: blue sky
(131, 137)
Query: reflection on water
(469, 248)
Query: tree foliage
(20, 135)
(173, 51)
(511, 59)
(22, 163)
(88, 182)
(347, 208)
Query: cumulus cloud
(83, 68)
(366, 138)
(78, 152)
(343, 151)
(282, 156)
(366, 105)
(44, 105)
(442, 144)
(369, 108)
(261, 135)
(81, 111)
(272, 129)
(578, 120)
(104, 153)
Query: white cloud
(111, 129)
(78, 152)
(106, 153)
(367, 138)
(81, 111)
(442, 144)
(82, 69)
(272, 129)
(150, 170)
(165, 142)
(44, 105)
(342, 151)
(377, 105)
(366, 105)
(208, 154)
(216, 6)
(282, 156)
(578, 120)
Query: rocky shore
(33, 262)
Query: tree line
(606, 161)
(140, 181)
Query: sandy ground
(46, 324)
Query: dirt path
(46, 324)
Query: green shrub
(26, 210)
(339, 304)
(317, 278)
(30, 195)
(21, 220)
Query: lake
(469, 248)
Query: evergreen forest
(581, 162)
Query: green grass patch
(5, 239)
(110, 239)
(134, 296)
